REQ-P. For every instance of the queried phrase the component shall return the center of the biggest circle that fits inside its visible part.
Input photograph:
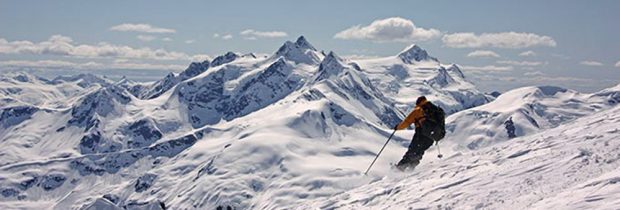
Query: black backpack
(434, 125)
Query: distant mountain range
(247, 132)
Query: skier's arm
(415, 114)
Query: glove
(396, 127)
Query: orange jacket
(416, 116)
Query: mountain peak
(301, 51)
(456, 69)
(414, 53)
(331, 65)
(195, 68)
(303, 43)
(331, 58)
(223, 59)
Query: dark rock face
(94, 142)
(151, 205)
(52, 181)
(14, 115)
(100, 164)
(442, 79)
(89, 141)
(331, 65)
(28, 183)
(224, 59)
(47, 182)
(9, 192)
(142, 133)
(144, 182)
(101, 102)
(194, 69)
(208, 104)
(171, 80)
(112, 198)
(495, 94)
(224, 207)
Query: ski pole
(438, 151)
(373, 162)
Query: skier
(429, 123)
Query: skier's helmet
(420, 100)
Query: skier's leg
(414, 154)
(423, 144)
(411, 156)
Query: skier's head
(420, 100)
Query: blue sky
(500, 44)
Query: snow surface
(293, 129)
(525, 111)
(572, 166)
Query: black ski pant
(419, 144)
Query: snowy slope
(572, 166)
(317, 102)
(243, 131)
(524, 111)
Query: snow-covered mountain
(26, 89)
(413, 72)
(241, 131)
(525, 111)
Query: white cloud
(591, 63)
(618, 64)
(166, 39)
(200, 57)
(224, 37)
(144, 28)
(394, 29)
(521, 63)
(545, 79)
(227, 37)
(56, 64)
(64, 46)
(533, 74)
(497, 40)
(491, 68)
(146, 38)
(251, 33)
(189, 41)
(121, 60)
(483, 53)
(527, 53)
